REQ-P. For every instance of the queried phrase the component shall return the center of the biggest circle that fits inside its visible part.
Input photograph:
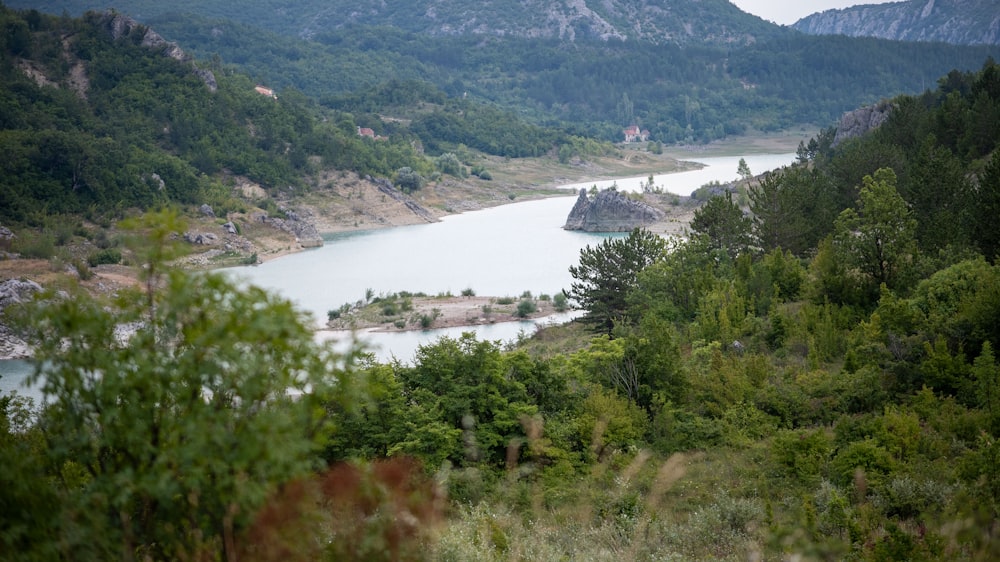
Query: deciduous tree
(878, 238)
(175, 410)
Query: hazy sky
(787, 12)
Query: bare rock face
(14, 291)
(610, 211)
(958, 22)
(385, 186)
(299, 224)
(118, 26)
(860, 121)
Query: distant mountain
(676, 22)
(958, 22)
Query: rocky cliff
(860, 121)
(959, 22)
(610, 211)
(118, 26)
(677, 22)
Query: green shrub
(82, 270)
(40, 247)
(505, 300)
(449, 163)
(905, 497)
(867, 456)
(427, 319)
(106, 256)
(560, 302)
(525, 308)
(407, 180)
(802, 454)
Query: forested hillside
(100, 115)
(815, 380)
(732, 73)
(96, 124)
(644, 21)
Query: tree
(744, 170)
(173, 412)
(939, 196)
(985, 233)
(725, 225)
(408, 180)
(792, 210)
(465, 388)
(879, 238)
(607, 272)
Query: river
(500, 251)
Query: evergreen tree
(608, 271)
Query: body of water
(717, 168)
(501, 251)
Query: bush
(408, 180)
(41, 247)
(803, 454)
(427, 319)
(468, 292)
(525, 308)
(107, 256)
(867, 456)
(448, 163)
(560, 302)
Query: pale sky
(787, 12)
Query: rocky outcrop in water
(610, 211)
(860, 121)
(959, 22)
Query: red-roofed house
(633, 134)
(265, 91)
(366, 132)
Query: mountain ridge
(957, 22)
(677, 22)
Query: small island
(406, 311)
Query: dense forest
(692, 93)
(816, 379)
(95, 125)
(728, 73)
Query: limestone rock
(958, 22)
(860, 121)
(119, 25)
(201, 238)
(299, 224)
(610, 211)
(13, 291)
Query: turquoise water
(502, 251)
